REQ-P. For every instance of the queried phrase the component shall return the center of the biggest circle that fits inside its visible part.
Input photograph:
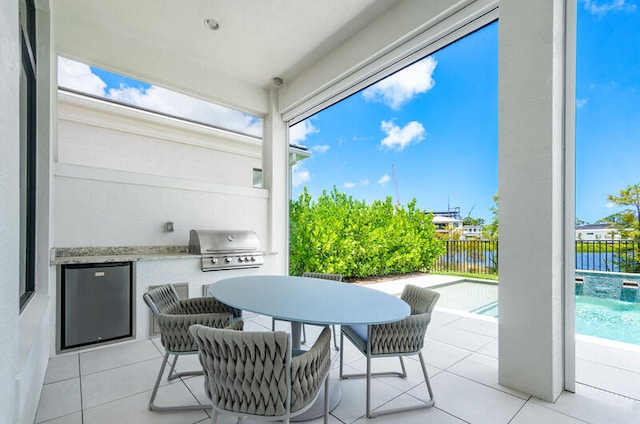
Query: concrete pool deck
(600, 363)
(113, 383)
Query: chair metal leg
(404, 370)
(326, 400)
(432, 400)
(173, 374)
(344, 376)
(335, 342)
(427, 404)
(368, 386)
(154, 407)
(368, 375)
(341, 354)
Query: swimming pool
(597, 317)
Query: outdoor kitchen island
(152, 266)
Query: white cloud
(384, 180)
(299, 132)
(399, 138)
(609, 205)
(605, 7)
(351, 184)
(581, 102)
(78, 76)
(173, 103)
(321, 148)
(299, 175)
(399, 88)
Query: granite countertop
(82, 255)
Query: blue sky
(436, 122)
(454, 161)
(608, 98)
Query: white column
(275, 163)
(532, 189)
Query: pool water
(608, 319)
(469, 296)
(605, 318)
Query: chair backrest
(162, 300)
(420, 299)
(334, 277)
(246, 372)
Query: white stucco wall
(9, 206)
(121, 174)
(25, 334)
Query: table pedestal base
(317, 409)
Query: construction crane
(395, 183)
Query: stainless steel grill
(222, 249)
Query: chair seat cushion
(357, 334)
(297, 352)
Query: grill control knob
(214, 260)
(253, 259)
(227, 259)
(240, 259)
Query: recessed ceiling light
(212, 24)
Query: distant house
(446, 225)
(470, 232)
(592, 232)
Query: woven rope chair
(400, 338)
(322, 276)
(252, 374)
(174, 318)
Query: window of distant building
(95, 82)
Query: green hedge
(340, 235)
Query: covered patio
(114, 383)
(96, 176)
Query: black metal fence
(607, 255)
(469, 256)
(481, 256)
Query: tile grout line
(595, 361)
(557, 411)
(123, 365)
(518, 411)
(489, 387)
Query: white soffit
(167, 43)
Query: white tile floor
(113, 384)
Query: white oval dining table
(311, 301)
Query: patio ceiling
(167, 43)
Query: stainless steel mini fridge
(96, 303)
